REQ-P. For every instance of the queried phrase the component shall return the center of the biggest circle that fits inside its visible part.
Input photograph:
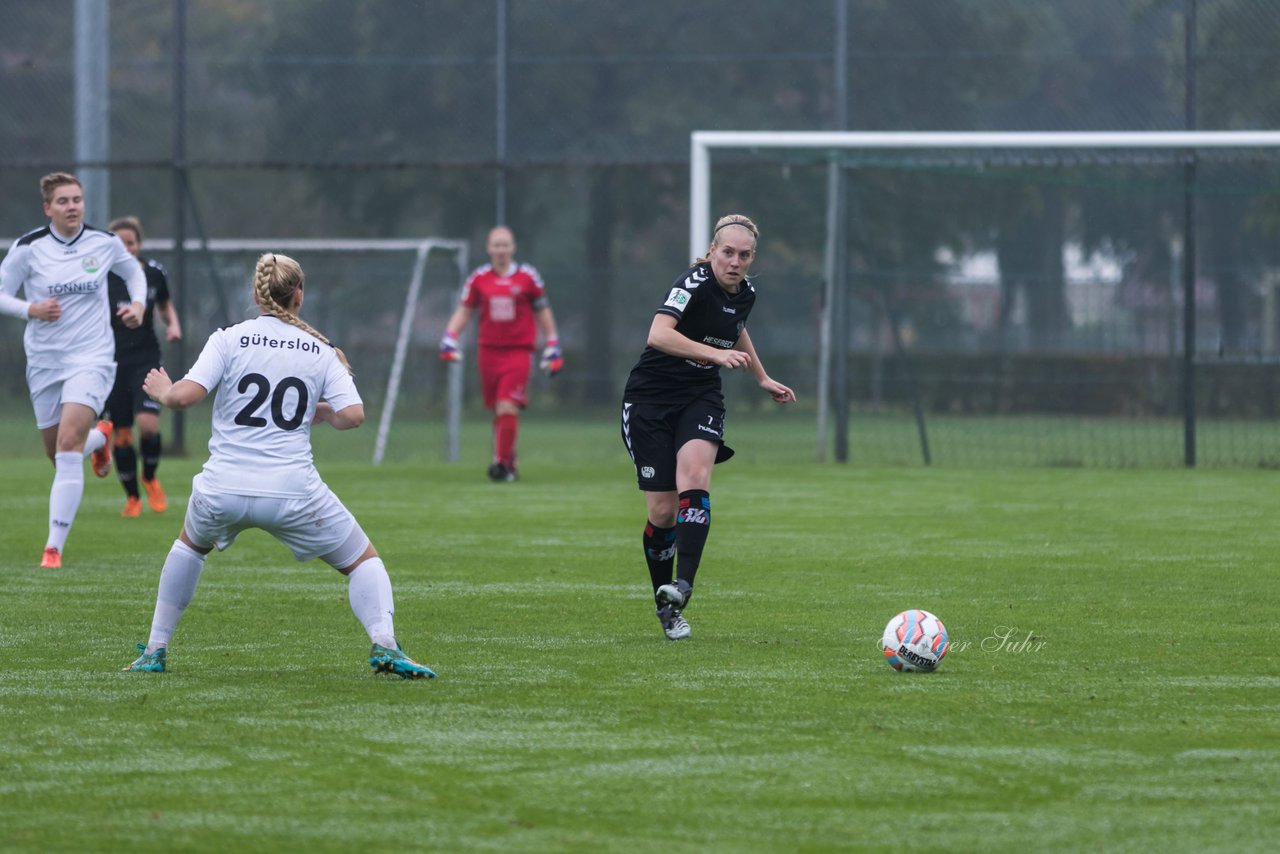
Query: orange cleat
(132, 507)
(102, 456)
(52, 559)
(155, 495)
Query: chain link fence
(1026, 305)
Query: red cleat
(155, 495)
(52, 559)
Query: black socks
(693, 523)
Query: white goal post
(455, 369)
(703, 142)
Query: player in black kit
(673, 410)
(137, 352)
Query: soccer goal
(869, 172)
(361, 293)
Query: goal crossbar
(702, 142)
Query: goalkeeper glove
(552, 361)
(449, 350)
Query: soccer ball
(915, 640)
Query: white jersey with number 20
(268, 376)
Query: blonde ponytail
(276, 280)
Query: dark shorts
(654, 432)
(127, 396)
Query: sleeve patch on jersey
(678, 299)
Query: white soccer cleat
(674, 625)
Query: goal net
(384, 302)
(997, 298)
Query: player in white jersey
(71, 365)
(274, 376)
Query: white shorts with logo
(89, 385)
(317, 525)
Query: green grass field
(1111, 685)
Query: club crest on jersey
(679, 298)
(90, 264)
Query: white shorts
(51, 387)
(315, 526)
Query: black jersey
(704, 312)
(141, 344)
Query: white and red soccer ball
(915, 640)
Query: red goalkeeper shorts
(504, 374)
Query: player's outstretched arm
(173, 395)
(779, 392)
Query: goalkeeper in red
(513, 307)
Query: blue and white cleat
(384, 660)
(149, 662)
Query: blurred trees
(378, 119)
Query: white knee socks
(177, 585)
(369, 590)
(65, 495)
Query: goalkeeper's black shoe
(499, 473)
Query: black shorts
(654, 432)
(127, 396)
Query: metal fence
(1019, 288)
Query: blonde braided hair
(276, 280)
(722, 222)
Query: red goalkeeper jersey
(506, 305)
